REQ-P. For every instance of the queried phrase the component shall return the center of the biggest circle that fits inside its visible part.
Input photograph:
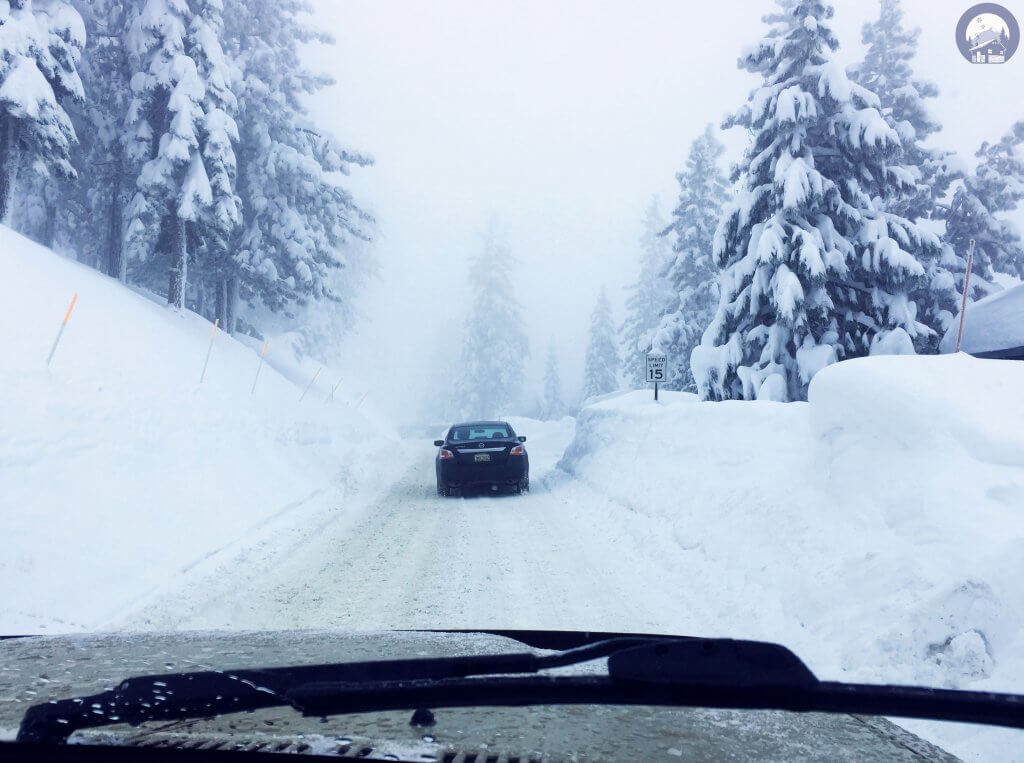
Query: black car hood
(37, 669)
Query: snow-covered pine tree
(692, 274)
(552, 406)
(489, 377)
(218, 136)
(601, 367)
(41, 44)
(996, 186)
(886, 71)
(814, 268)
(164, 123)
(649, 296)
(35, 212)
(94, 206)
(299, 223)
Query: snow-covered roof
(986, 38)
(993, 323)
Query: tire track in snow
(557, 558)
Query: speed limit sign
(657, 370)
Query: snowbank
(878, 529)
(993, 323)
(545, 442)
(119, 470)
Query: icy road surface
(411, 559)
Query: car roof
(482, 424)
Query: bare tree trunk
(50, 224)
(10, 159)
(115, 265)
(178, 275)
(231, 305)
(200, 288)
(221, 302)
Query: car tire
(524, 486)
(443, 490)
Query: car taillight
(446, 454)
(518, 450)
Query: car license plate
(478, 457)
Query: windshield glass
(392, 316)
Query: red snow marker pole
(963, 303)
(209, 349)
(60, 331)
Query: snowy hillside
(119, 471)
(878, 530)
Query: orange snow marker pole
(303, 397)
(263, 354)
(963, 303)
(60, 331)
(209, 349)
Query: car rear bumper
(513, 471)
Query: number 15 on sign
(656, 369)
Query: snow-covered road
(410, 559)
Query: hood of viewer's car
(37, 669)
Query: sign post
(657, 365)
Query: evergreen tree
(35, 209)
(41, 45)
(886, 71)
(692, 273)
(600, 372)
(299, 224)
(217, 138)
(552, 406)
(996, 186)
(94, 206)
(650, 296)
(489, 377)
(814, 266)
(165, 122)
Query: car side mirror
(521, 439)
(438, 443)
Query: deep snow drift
(119, 470)
(993, 323)
(878, 530)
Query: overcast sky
(563, 118)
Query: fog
(562, 118)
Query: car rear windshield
(480, 432)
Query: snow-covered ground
(993, 323)
(119, 470)
(878, 530)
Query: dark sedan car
(484, 455)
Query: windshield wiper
(675, 672)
